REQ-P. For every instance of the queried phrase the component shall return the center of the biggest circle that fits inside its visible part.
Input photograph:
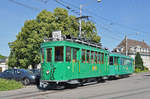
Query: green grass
(6, 85)
(139, 70)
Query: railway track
(25, 95)
(30, 94)
(102, 90)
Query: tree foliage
(1, 56)
(25, 49)
(138, 61)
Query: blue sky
(113, 18)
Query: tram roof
(120, 55)
(71, 44)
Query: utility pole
(80, 21)
(126, 42)
(126, 45)
(80, 18)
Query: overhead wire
(96, 16)
(24, 5)
(77, 8)
(63, 3)
(44, 1)
(112, 23)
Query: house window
(59, 53)
(135, 49)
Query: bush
(9, 85)
(137, 70)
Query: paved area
(137, 86)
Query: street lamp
(99, 0)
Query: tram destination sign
(56, 35)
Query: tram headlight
(47, 72)
(68, 67)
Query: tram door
(75, 62)
(46, 60)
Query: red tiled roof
(133, 43)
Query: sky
(113, 18)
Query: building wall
(3, 66)
(146, 60)
(133, 47)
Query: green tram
(73, 62)
(120, 65)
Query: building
(3, 65)
(134, 46)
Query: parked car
(25, 76)
(35, 71)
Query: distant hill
(1, 56)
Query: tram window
(59, 53)
(111, 60)
(68, 54)
(95, 57)
(130, 62)
(121, 61)
(42, 55)
(88, 56)
(127, 62)
(74, 55)
(102, 61)
(115, 60)
(83, 56)
(99, 58)
(92, 57)
(107, 58)
(49, 54)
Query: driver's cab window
(49, 54)
(59, 53)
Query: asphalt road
(137, 86)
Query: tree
(138, 61)
(1, 56)
(25, 49)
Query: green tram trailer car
(66, 62)
(120, 65)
